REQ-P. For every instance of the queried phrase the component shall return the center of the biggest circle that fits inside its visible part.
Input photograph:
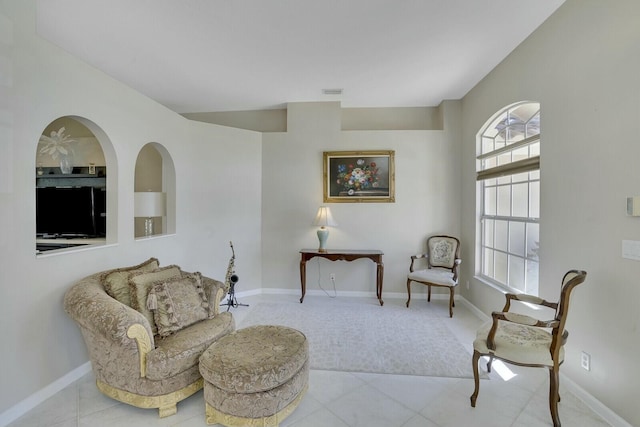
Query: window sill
(73, 249)
(505, 291)
(491, 284)
(153, 237)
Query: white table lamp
(324, 219)
(149, 204)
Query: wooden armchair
(444, 254)
(526, 341)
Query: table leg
(379, 277)
(303, 278)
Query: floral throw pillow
(178, 303)
(141, 283)
(116, 282)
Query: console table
(342, 255)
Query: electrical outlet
(332, 276)
(585, 361)
(467, 284)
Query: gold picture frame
(359, 176)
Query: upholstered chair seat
(521, 344)
(179, 352)
(438, 277)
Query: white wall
(218, 199)
(427, 200)
(583, 66)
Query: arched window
(509, 177)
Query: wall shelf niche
(80, 177)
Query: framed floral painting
(359, 176)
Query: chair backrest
(570, 280)
(443, 251)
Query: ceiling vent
(332, 91)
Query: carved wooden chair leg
(553, 395)
(476, 378)
(451, 303)
(408, 292)
(429, 293)
(489, 364)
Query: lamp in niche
(324, 220)
(148, 205)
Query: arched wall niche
(92, 165)
(155, 173)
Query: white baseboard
(249, 293)
(475, 310)
(345, 294)
(596, 406)
(316, 292)
(40, 396)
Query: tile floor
(341, 399)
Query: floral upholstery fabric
(120, 368)
(255, 359)
(261, 404)
(438, 277)
(116, 282)
(88, 304)
(182, 350)
(442, 252)
(518, 343)
(172, 362)
(178, 303)
(257, 371)
(140, 284)
(215, 291)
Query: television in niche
(70, 212)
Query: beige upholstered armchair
(526, 341)
(443, 253)
(132, 361)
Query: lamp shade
(324, 218)
(149, 204)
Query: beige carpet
(362, 336)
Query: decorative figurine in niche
(58, 146)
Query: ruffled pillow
(116, 282)
(140, 284)
(178, 303)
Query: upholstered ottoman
(255, 376)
